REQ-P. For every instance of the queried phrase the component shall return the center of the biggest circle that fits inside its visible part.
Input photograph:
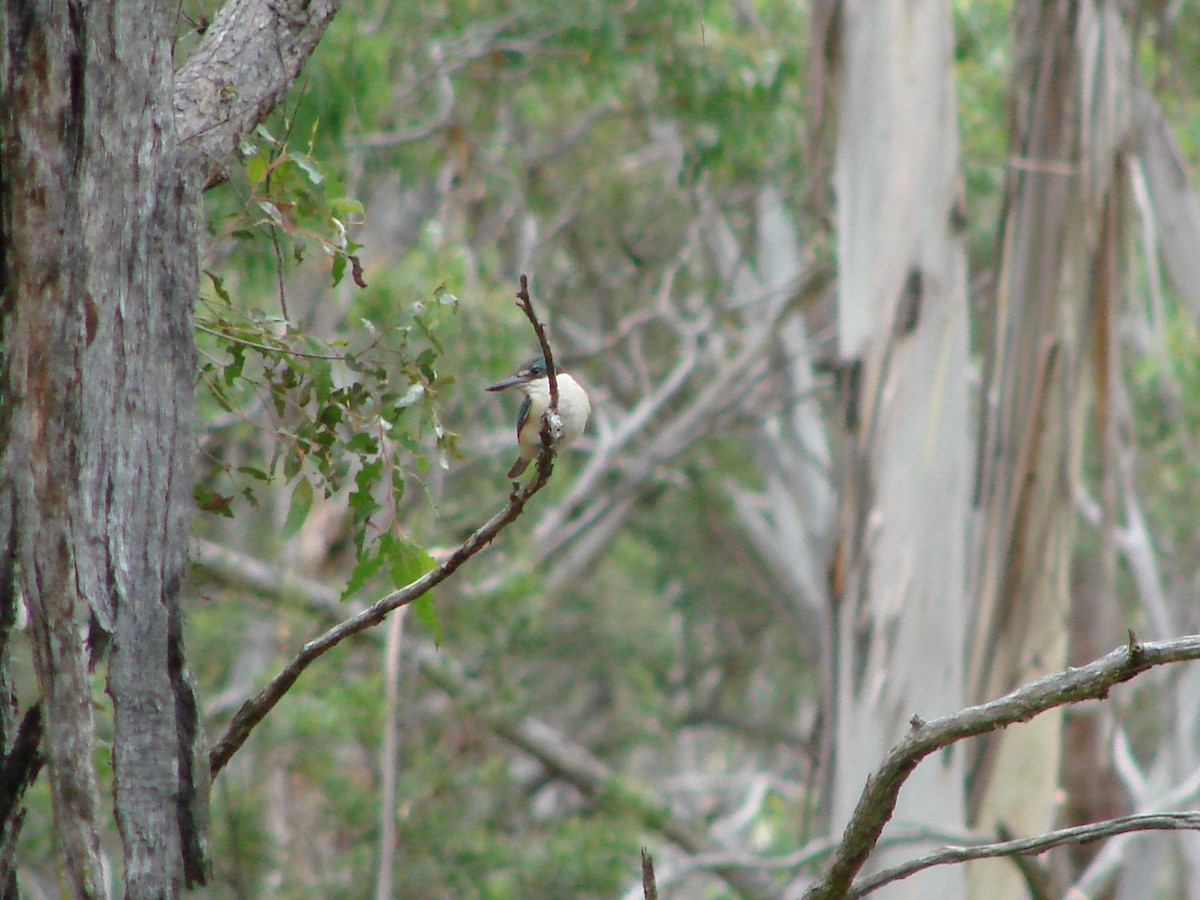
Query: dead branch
(1078, 834)
(649, 887)
(878, 800)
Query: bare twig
(649, 888)
(526, 306)
(1099, 872)
(551, 423)
(878, 800)
(1029, 846)
(256, 708)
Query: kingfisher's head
(529, 371)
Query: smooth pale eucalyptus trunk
(1051, 361)
(99, 276)
(899, 576)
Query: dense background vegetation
(630, 655)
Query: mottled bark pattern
(100, 272)
(44, 343)
(102, 153)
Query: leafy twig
(266, 348)
(254, 710)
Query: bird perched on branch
(573, 409)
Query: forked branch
(878, 800)
(1078, 834)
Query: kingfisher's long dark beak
(507, 383)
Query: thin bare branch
(526, 306)
(1029, 846)
(878, 800)
(649, 887)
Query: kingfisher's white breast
(574, 407)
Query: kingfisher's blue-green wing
(523, 415)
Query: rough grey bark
(99, 271)
(46, 318)
(251, 54)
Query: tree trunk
(899, 574)
(99, 272)
(1052, 344)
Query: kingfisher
(573, 408)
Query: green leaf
(367, 567)
(256, 169)
(426, 359)
(271, 210)
(363, 443)
(254, 472)
(315, 175)
(426, 614)
(345, 207)
(218, 284)
(330, 416)
(362, 498)
(237, 361)
(302, 498)
(408, 561)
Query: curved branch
(878, 800)
(1077, 834)
(249, 58)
